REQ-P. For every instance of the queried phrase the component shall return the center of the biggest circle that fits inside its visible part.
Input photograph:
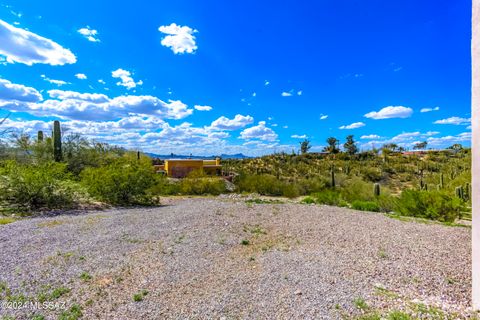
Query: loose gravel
(203, 258)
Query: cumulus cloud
(260, 132)
(17, 92)
(449, 140)
(390, 112)
(90, 97)
(81, 76)
(455, 121)
(423, 110)
(179, 39)
(55, 82)
(286, 94)
(267, 82)
(202, 108)
(354, 125)
(85, 106)
(370, 137)
(238, 122)
(296, 136)
(89, 34)
(323, 117)
(299, 93)
(22, 46)
(126, 79)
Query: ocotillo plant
(57, 142)
(40, 136)
(376, 189)
(138, 155)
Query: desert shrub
(163, 186)
(386, 202)
(202, 185)
(124, 181)
(264, 184)
(329, 197)
(44, 186)
(365, 206)
(308, 200)
(357, 189)
(372, 174)
(434, 205)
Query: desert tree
(332, 145)
(305, 146)
(420, 145)
(350, 145)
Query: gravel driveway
(201, 258)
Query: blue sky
(256, 77)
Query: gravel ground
(221, 258)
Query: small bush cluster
(124, 181)
(44, 186)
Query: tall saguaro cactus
(40, 136)
(57, 142)
(332, 176)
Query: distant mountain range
(180, 156)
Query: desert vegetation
(62, 171)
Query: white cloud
(86, 106)
(449, 140)
(259, 131)
(370, 137)
(126, 79)
(179, 39)
(90, 97)
(285, 127)
(81, 76)
(423, 110)
(223, 123)
(296, 136)
(286, 94)
(254, 94)
(10, 91)
(299, 93)
(89, 34)
(355, 125)
(454, 120)
(53, 81)
(202, 108)
(390, 112)
(101, 81)
(19, 45)
(267, 82)
(323, 117)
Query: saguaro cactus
(332, 176)
(467, 191)
(376, 189)
(40, 136)
(57, 142)
(459, 192)
(441, 181)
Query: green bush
(365, 206)
(202, 185)
(264, 184)
(125, 181)
(434, 205)
(44, 186)
(329, 197)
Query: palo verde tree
(350, 146)
(305, 146)
(332, 145)
(420, 145)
